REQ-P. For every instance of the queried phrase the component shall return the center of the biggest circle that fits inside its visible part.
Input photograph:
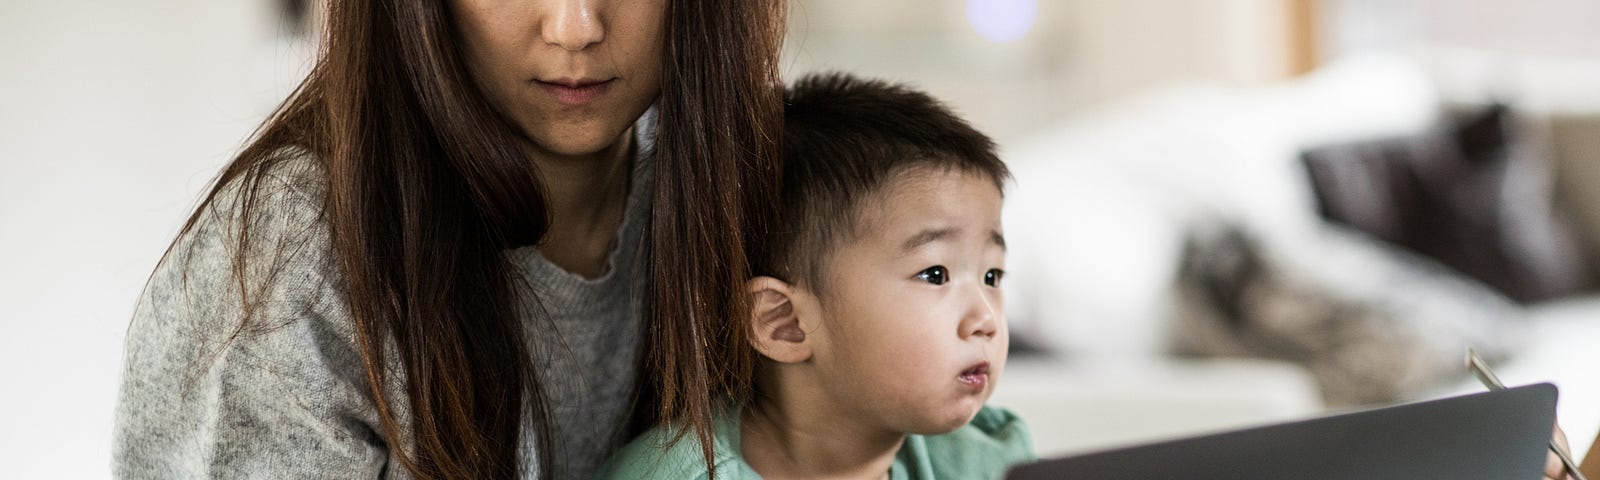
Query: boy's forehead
(922, 180)
(928, 201)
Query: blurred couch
(1101, 224)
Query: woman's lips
(575, 92)
(976, 377)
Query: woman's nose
(574, 25)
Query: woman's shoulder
(242, 337)
(259, 247)
(289, 180)
(253, 270)
(258, 226)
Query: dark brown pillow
(1474, 195)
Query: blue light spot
(1002, 21)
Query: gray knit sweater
(287, 397)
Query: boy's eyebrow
(928, 236)
(933, 235)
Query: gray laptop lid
(1501, 435)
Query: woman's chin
(574, 147)
(578, 139)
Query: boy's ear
(774, 323)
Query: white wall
(113, 116)
(1079, 52)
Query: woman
(462, 248)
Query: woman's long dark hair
(426, 189)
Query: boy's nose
(982, 317)
(573, 25)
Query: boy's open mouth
(976, 376)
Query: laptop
(1500, 435)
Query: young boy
(877, 314)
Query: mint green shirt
(993, 441)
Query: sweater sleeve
(281, 396)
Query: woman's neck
(585, 197)
(784, 437)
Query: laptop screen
(1493, 435)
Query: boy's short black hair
(845, 138)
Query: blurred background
(1225, 212)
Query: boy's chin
(949, 421)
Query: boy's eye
(993, 276)
(936, 275)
